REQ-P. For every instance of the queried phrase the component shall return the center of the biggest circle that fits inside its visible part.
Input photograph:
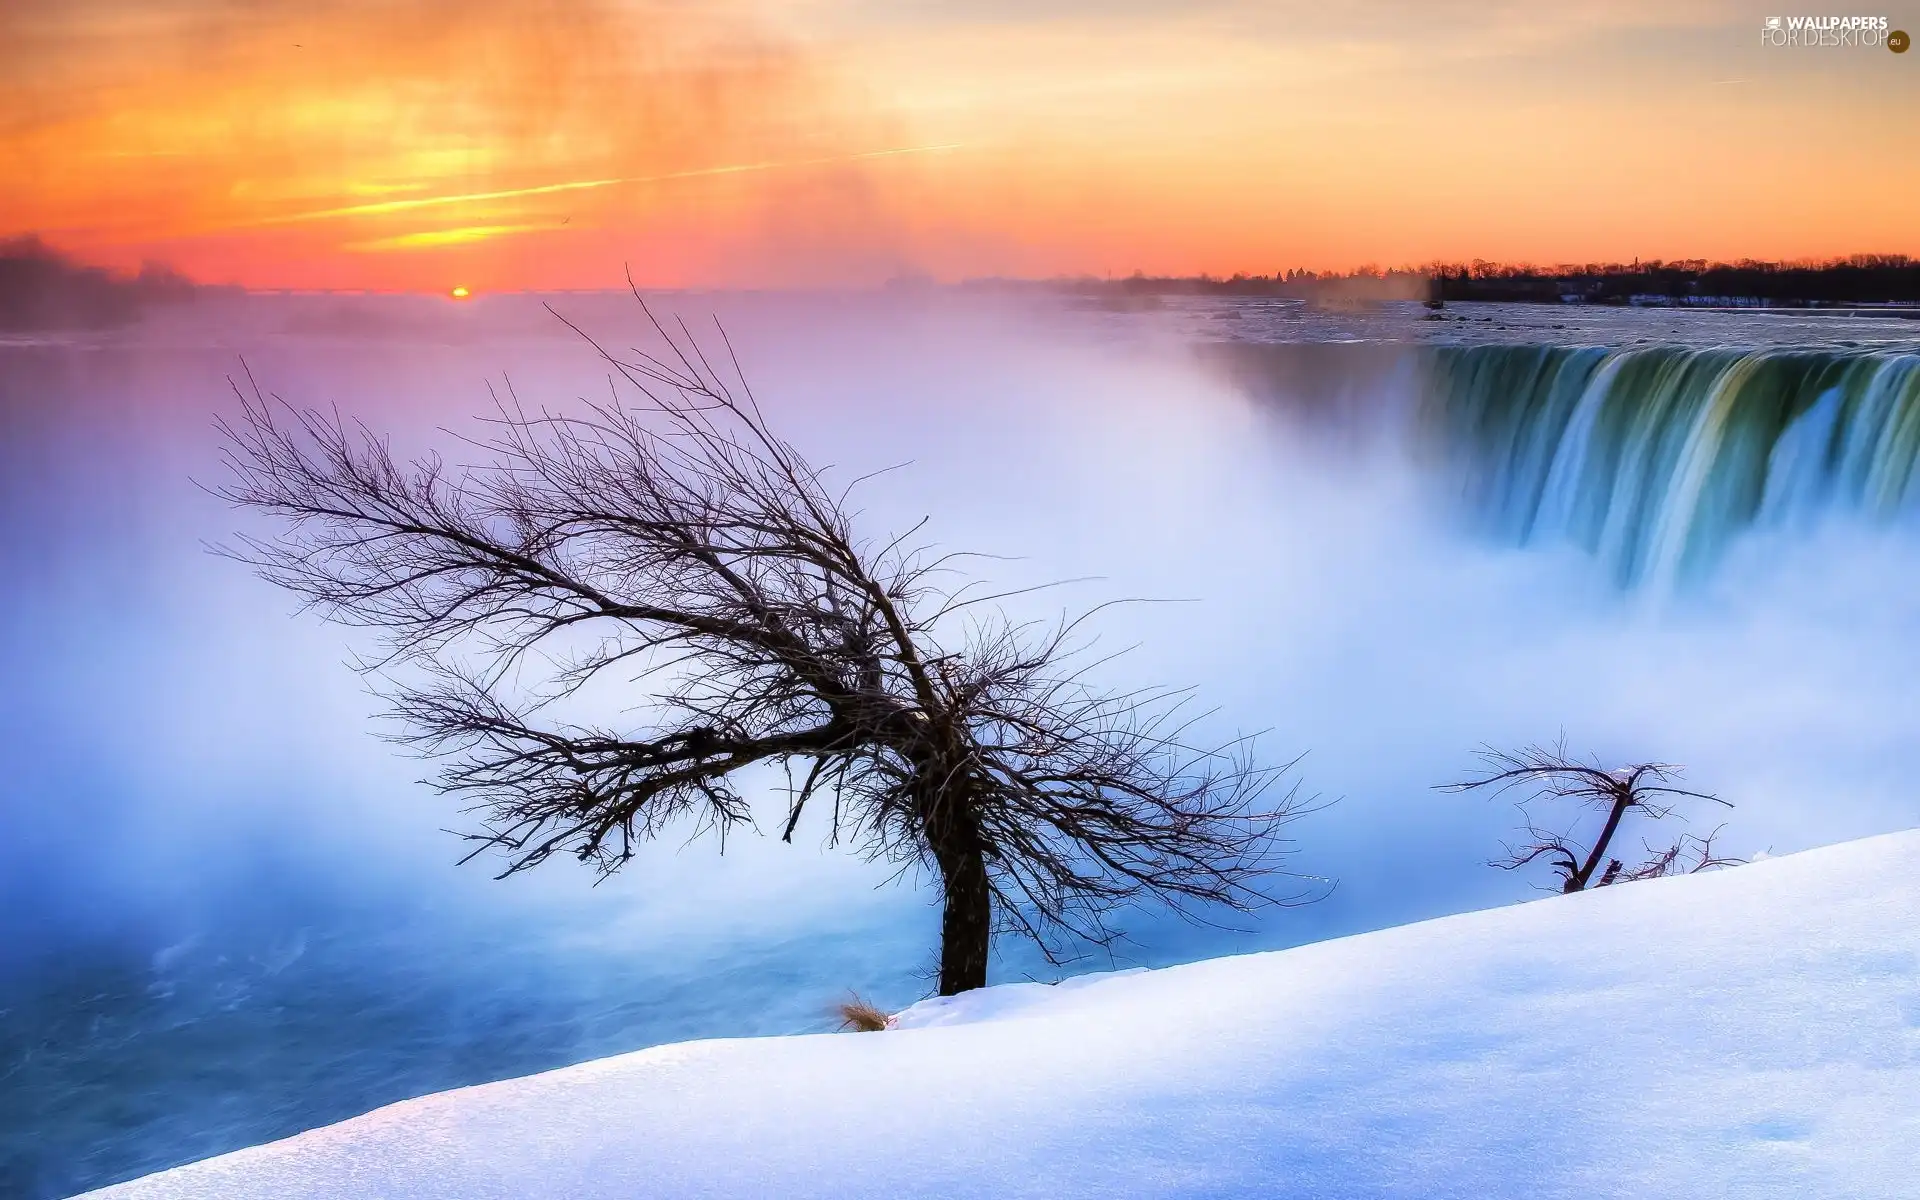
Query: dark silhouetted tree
(1642, 790)
(667, 541)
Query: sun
(460, 293)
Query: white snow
(1752, 1032)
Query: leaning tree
(1646, 790)
(667, 542)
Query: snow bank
(1753, 1032)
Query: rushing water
(1655, 459)
(227, 913)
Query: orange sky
(544, 143)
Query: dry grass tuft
(861, 1017)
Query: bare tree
(667, 537)
(1645, 789)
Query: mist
(182, 731)
(207, 843)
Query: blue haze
(228, 913)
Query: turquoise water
(1655, 459)
(117, 1060)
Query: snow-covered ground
(1753, 1032)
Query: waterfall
(1655, 459)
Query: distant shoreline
(1868, 283)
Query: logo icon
(1898, 41)
(1773, 23)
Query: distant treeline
(1859, 279)
(1367, 283)
(40, 288)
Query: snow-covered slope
(1754, 1032)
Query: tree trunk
(953, 835)
(966, 924)
(1578, 882)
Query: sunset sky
(545, 143)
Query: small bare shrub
(1643, 789)
(861, 1017)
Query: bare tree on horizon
(668, 538)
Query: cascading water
(1654, 459)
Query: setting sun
(460, 293)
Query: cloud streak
(385, 207)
